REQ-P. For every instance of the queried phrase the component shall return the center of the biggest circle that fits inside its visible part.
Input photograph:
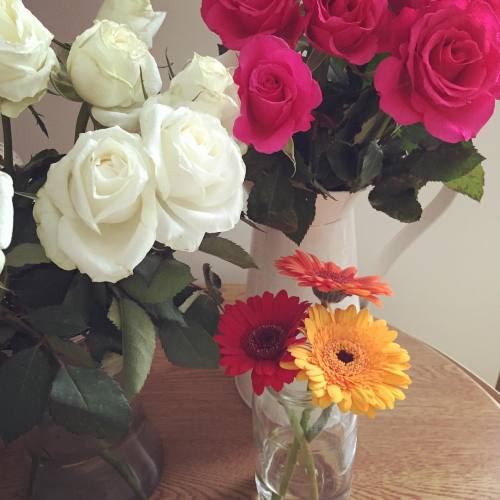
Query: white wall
(447, 284)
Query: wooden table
(442, 442)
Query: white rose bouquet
(88, 238)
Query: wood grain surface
(443, 442)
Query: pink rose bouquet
(345, 96)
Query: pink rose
(346, 29)
(277, 93)
(443, 69)
(236, 21)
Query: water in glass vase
(303, 452)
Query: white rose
(138, 15)
(97, 210)
(206, 85)
(108, 66)
(200, 174)
(26, 59)
(6, 214)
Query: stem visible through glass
(301, 444)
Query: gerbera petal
(335, 393)
(317, 384)
(299, 352)
(346, 403)
(288, 365)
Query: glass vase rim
(297, 398)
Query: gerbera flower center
(345, 356)
(342, 357)
(265, 342)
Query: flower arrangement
(348, 359)
(322, 97)
(342, 96)
(89, 274)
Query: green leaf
(371, 166)
(32, 286)
(205, 312)
(416, 136)
(87, 401)
(24, 388)
(80, 296)
(402, 205)
(289, 151)
(228, 251)
(337, 73)
(139, 342)
(446, 163)
(305, 208)
(71, 352)
(365, 107)
(472, 184)
(213, 285)
(114, 314)
(343, 159)
(103, 337)
(60, 321)
(170, 278)
(166, 311)
(190, 347)
(260, 164)
(271, 201)
(27, 254)
(148, 267)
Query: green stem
(125, 471)
(293, 455)
(316, 59)
(304, 435)
(299, 443)
(8, 160)
(82, 120)
(311, 469)
(317, 428)
(383, 127)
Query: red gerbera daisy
(254, 335)
(330, 279)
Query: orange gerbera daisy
(351, 360)
(330, 282)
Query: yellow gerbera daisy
(352, 360)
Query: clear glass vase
(69, 466)
(304, 452)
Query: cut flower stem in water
(303, 436)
